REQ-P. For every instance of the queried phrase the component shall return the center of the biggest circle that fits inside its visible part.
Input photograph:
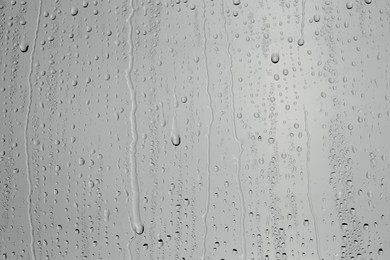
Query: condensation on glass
(194, 129)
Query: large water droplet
(275, 57)
(23, 47)
(301, 42)
(175, 139)
(139, 229)
(74, 11)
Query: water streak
(309, 182)
(303, 21)
(136, 220)
(204, 216)
(238, 173)
(26, 141)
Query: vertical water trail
(242, 217)
(175, 135)
(162, 120)
(204, 216)
(309, 182)
(129, 244)
(129, 250)
(30, 92)
(137, 223)
(303, 22)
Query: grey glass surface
(195, 129)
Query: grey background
(188, 129)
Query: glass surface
(195, 129)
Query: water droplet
(160, 243)
(145, 246)
(175, 136)
(275, 57)
(175, 140)
(81, 161)
(301, 42)
(74, 11)
(23, 47)
(139, 229)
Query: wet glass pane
(195, 129)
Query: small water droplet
(81, 161)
